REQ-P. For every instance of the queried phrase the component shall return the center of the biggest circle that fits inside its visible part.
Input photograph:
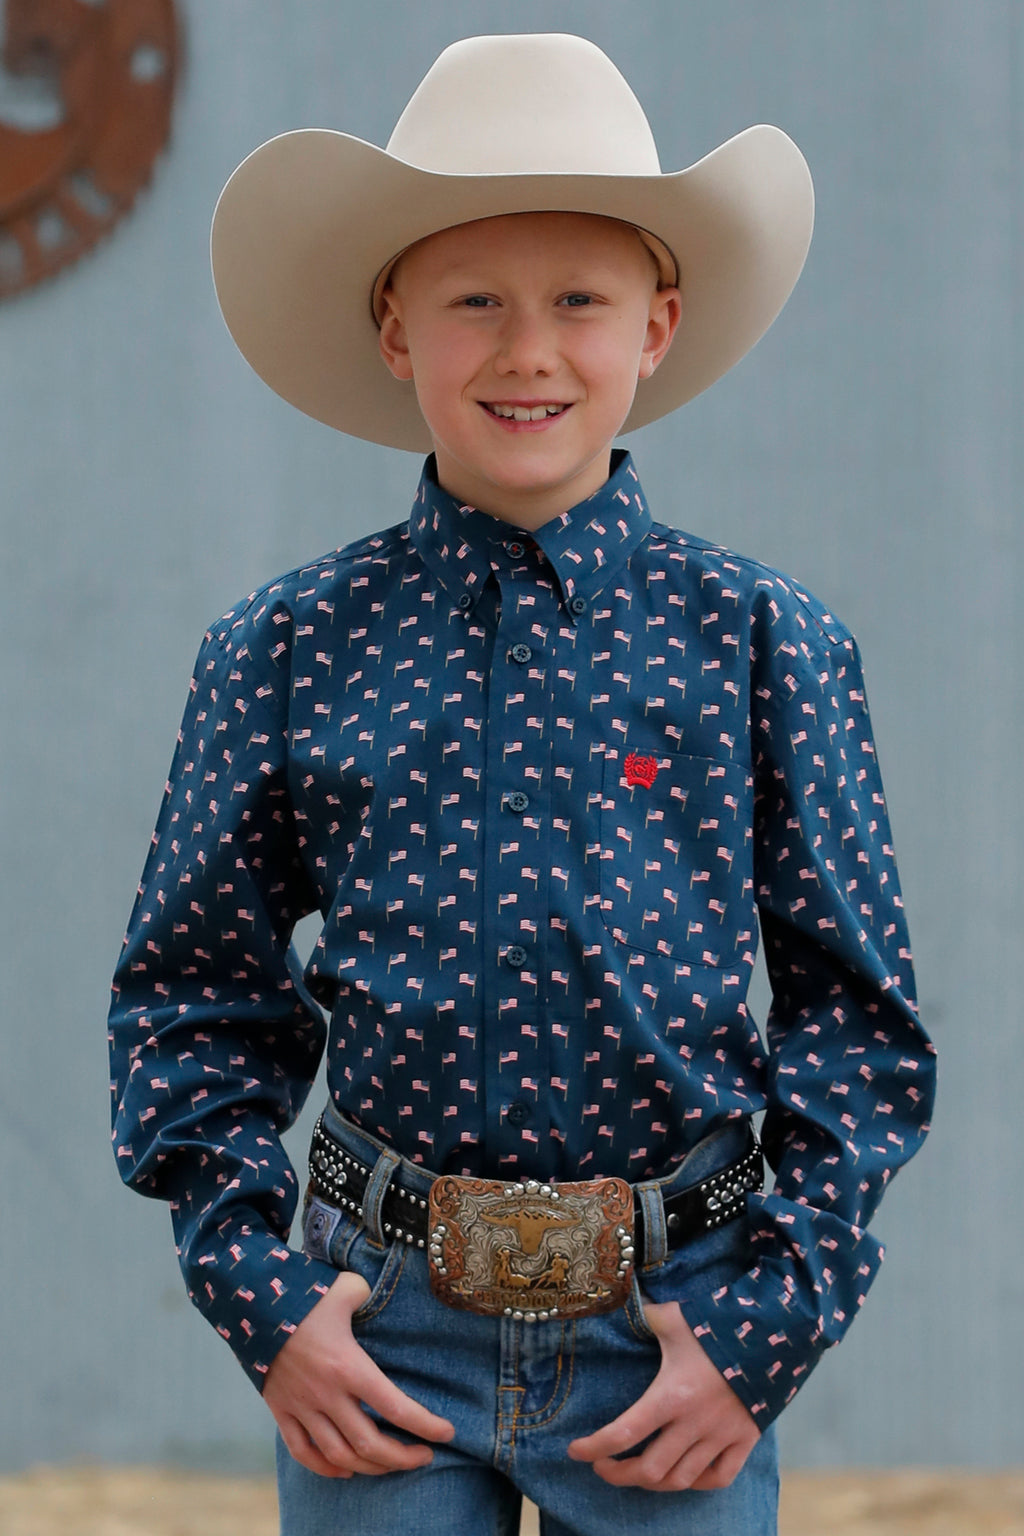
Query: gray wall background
(871, 444)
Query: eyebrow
(459, 273)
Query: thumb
(349, 1291)
(665, 1319)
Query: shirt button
(578, 605)
(465, 601)
(515, 550)
(521, 652)
(515, 956)
(518, 800)
(518, 1112)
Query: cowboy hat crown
(556, 105)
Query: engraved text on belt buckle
(530, 1250)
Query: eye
(477, 301)
(577, 300)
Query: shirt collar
(582, 548)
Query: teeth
(526, 412)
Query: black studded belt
(341, 1179)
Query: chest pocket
(677, 856)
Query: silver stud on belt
(725, 1192)
(333, 1168)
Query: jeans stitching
(532, 1419)
(635, 1316)
(384, 1286)
(507, 1422)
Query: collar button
(465, 601)
(515, 550)
(577, 605)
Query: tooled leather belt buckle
(530, 1250)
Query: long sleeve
(214, 1041)
(851, 1073)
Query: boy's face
(554, 314)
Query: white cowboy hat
(311, 220)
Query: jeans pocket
(340, 1239)
(697, 1268)
(380, 1266)
(636, 1316)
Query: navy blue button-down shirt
(542, 789)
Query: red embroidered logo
(640, 770)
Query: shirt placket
(517, 868)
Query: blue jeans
(518, 1393)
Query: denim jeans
(519, 1392)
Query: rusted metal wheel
(109, 68)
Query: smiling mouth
(523, 412)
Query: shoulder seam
(831, 638)
(369, 544)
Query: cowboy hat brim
(308, 221)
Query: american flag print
(534, 958)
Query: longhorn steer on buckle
(528, 1250)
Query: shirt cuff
(767, 1330)
(255, 1291)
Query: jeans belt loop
(373, 1195)
(648, 1198)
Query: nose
(526, 346)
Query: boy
(538, 761)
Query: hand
(317, 1383)
(703, 1433)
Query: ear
(662, 323)
(393, 342)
